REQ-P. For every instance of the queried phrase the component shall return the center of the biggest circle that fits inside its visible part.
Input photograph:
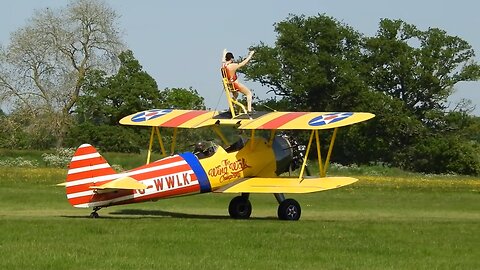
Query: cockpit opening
(204, 149)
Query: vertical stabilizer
(87, 168)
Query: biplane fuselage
(176, 175)
(247, 166)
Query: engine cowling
(289, 154)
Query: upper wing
(260, 120)
(306, 120)
(285, 185)
(290, 120)
(168, 118)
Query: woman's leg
(244, 90)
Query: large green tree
(107, 99)
(403, 75)
(420, 68)
(181, 98)
(314, 64)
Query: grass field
(380, 222)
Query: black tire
(94, 215)
(240, 208)
(289, 210)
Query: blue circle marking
(329, 118)
(149, 115)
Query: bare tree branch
(45, 65)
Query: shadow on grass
(162, 213)
(139, 213)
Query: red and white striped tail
(87, 168)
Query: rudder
(86, 169)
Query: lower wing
(285, 185)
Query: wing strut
(319, 155)
(252, 139)
(160, 141)
(174, 141)
(272, 137)
(220, 134)
(330, 148)
(155, 130)
(321, 166)
(300, 177)
(150, 144)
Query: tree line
(403, 74)
(69, 78)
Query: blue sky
(174, 38)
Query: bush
(442, 155)
(18, 162)
(60, 158)
(23, 131)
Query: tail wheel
(289, 209)
(240, 208)
(94, 214)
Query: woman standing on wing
(231, 67)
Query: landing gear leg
(94, 214)
(240, 207)
(288, 209)
(280, 197)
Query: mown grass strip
(377, 223)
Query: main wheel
(94, 215)
(289, 209)
(240, 208)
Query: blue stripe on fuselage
(198, 170)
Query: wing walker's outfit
(231, 78)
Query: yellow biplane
(252, 164)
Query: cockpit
(204, 149)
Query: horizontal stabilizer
(286, 185)
(121, 183)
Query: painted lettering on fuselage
(228, 170)
(172, 181)
(167, 183)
